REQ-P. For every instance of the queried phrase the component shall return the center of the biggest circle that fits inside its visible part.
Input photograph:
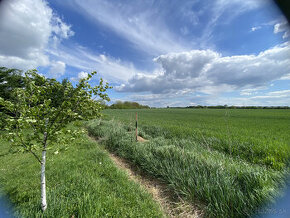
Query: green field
(230, 161)
(82, 181)
(256, 135)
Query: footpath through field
(171, 206)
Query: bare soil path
(170, 204)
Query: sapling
(43, 108)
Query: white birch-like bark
(43, 186)
(43, 160)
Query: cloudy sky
(159, 53)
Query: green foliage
(228, 187)
(128, 105)
(82, 181)
(9, 80)
(45, 106)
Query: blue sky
(159, 53)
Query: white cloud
(223, 12)
(57, 69)
(26, 28)
(282, 27)
(24, 33)
(277, 98)
(281, 92)
(141, 25)
(186, 64)
(208, 72)
(81, 75)
(112, 69)
(60, 28)
(253, 29)
(261, 100)
(252, 91)
(149, 25)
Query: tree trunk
(43, 186)
(43, 159)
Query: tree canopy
(9, 80)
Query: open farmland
(230, 161)
(257, 135)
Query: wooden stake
(136, 127)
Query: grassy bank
(227, 186)
(82, 181)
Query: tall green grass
(256, 136)
(227, 186)
(82, 181)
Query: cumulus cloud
(57, 69)
(208, 71)
(186, 64)
(26, 28)
(282, 27)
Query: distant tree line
(128, 105)
(239, 107)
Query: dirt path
(140, 139)
(171, 206)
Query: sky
(158, 53)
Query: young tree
(44, 107)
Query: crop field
(231, 161)
(258, 136)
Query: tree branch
(23, 145)
(27, 149)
